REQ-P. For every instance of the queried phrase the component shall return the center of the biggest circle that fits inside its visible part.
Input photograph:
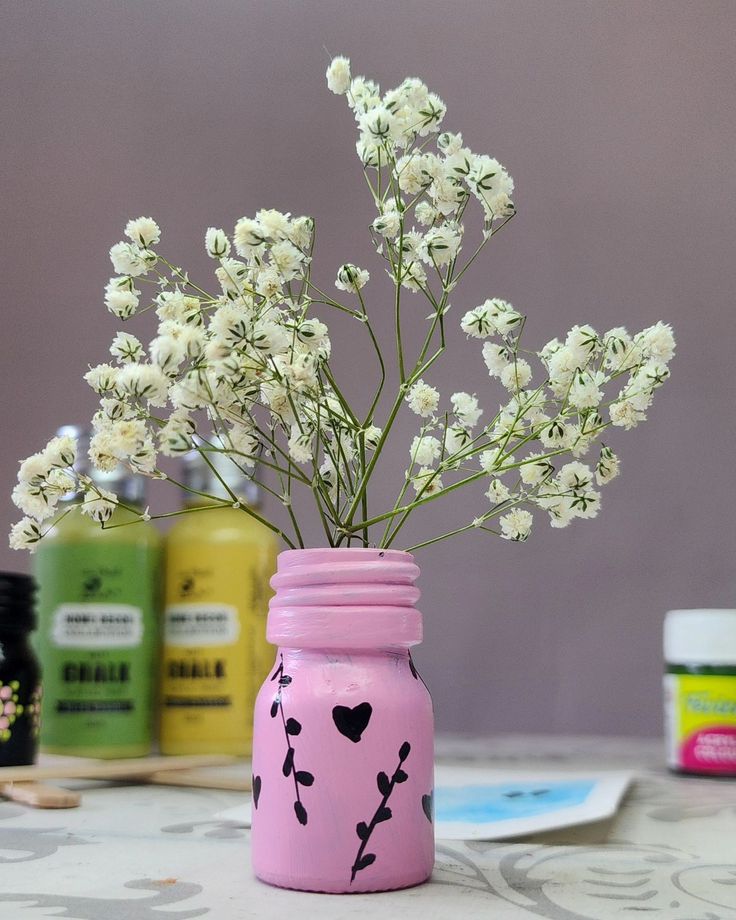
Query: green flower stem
(387, 428)
(337, 423)
(397, 303)
(292, 469)
(238, 285)
(338, 392)
(55, 521)
(185, 279)
(502, 508)
(290, 511)
(376, 199)
(481, 245)
(224, 484)
(245, 508)
(386, 542)
(423, 366)
(168, 514)
(318, 497)
(377, 348)
(331, 302)
(415, 504)
(444, 536)
(405, 486)
(357, 498)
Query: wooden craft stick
(40, 795)
(200, 779)
(129, 768)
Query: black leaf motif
(383, 814)
(293, 727)
(352, 722)
(256, 787)
(301, 812)
(279, 671)
(428, 806)
(364, 862)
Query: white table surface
(151, 853)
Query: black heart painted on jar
(352, 722)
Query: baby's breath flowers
(242, 367)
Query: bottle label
(97, 642)
(201, 625)
(700, 720)
(90, 626)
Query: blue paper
(502, 801)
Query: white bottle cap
(700, 637)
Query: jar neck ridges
(345, 598)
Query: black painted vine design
(292, 728)
(382, 813)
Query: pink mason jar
(343, 735)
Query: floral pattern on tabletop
(155, 852)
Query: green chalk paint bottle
(98, 625)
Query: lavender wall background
(616, 120)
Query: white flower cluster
(563, 412)
(43, 479)
(244, 368)
(432, 187)
(247, 358)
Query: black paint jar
(20, 673)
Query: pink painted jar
(343, 734)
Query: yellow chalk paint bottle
(215, 656)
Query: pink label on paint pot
(711, 750)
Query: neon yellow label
(701, 722)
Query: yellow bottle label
(214, 614)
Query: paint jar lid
(16, 602)
(705, 636)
